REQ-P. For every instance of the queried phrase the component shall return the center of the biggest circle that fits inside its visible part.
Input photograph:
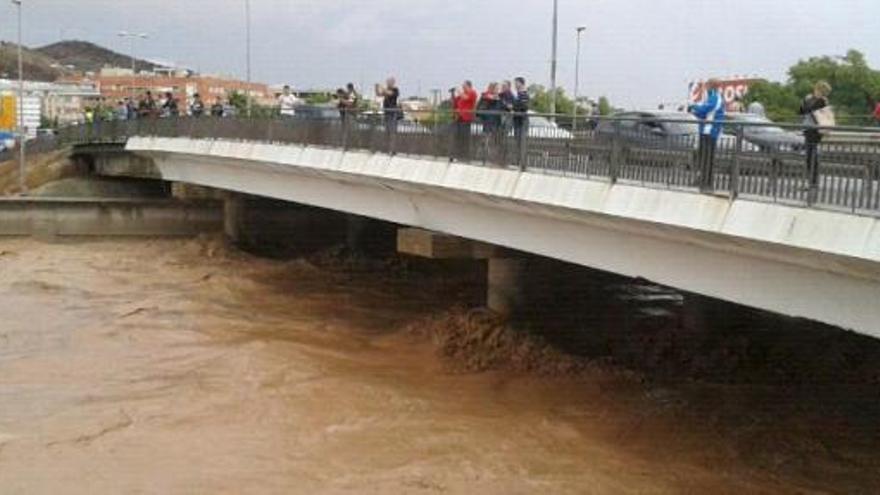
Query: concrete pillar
(504, 289)
(355, 231)
(233, 217)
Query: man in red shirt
(464, 101)
(877, 113)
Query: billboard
(8, 114)
(731, 90)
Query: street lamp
(247, 16)
(553, 59)
(577, 77)
(22, 132)
(131, 39)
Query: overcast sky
(637, 52)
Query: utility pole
(553, 60)
(577, 77)
(247, 93)
(22, 131)
(131, 38)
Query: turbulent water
(176, 367)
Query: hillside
(88, 57)
(61, 59)
(37, 66)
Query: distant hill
(62, 59)
(89, 57)
(37, 66)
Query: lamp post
(131, 39)
(247, 93)
(577, 77)
(553, 59)
(22, 132)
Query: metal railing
(769, 162)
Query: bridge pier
(504, 292)
(504, 279)
(234, 211)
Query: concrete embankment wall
(108, 217)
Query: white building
(63, 103)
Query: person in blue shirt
(711, 113)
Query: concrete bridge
(820, 262)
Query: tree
(239, 101)
(856, 88)
(780, 101)
(605, 107)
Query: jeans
(706, 162)
(812, 150)
(462, 132)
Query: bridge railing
(756, 160)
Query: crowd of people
(148, 106)
(502, 108)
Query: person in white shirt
(288, 102)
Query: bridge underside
(818, 265)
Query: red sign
(731, 90)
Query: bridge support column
(234, 210)
(504, 285)
(355, 230)
(504, 289)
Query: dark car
(761, 132)
(668, 130)
(317, 112)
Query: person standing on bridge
(464, 101)
(489, 111)
(197, 108)
(287, 103)
(816, 111)
(217, 109)
(521, 105)
(391, 110)
(711, 114)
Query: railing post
(734, 173)
(523, 143)
(616, 152)
(345, 125)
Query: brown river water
(178, 367)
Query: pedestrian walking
(816, 112)
(711, 114)
(464, 102)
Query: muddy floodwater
(179, 367)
